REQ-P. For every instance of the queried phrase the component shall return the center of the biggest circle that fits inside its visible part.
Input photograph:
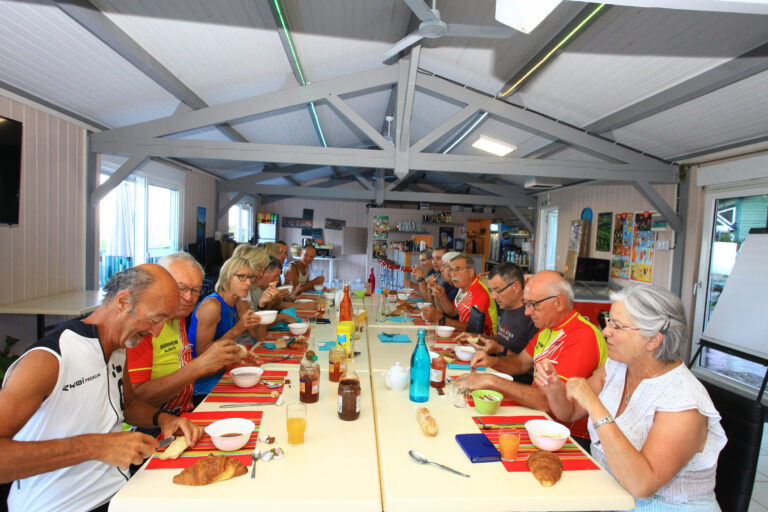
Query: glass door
(728, 217)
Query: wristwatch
(420, 280)
(603, 421)
(157, 415)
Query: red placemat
(570, 455)
(226, 391)
(270, 355)
(205, 445)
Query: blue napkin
(395, 319)
(397, 338)
(325, 345)
(414, 300)
(268, 344)
(464, 366)
(282, 326)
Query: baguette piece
(211, 469)
(427, 422)
(174, 449)
(546, 467)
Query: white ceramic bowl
(464, 352)
(219, 430)
(547, 435)
(444, 331)
(407, 291)
(288, 287)
(298, 328)
(267, 316)
(403, 296)
(318, 287)
(246, 376)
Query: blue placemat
(464, 366)
(395, 319)
(282, 326)
(397, 338)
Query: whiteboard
(740, 318)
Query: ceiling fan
(433, 27)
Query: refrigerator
(266, 227)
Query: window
(731, 214)
(138, 223)
(240, 222)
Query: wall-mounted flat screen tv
(10, 170)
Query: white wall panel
(45, 253)
(354, 212)
(200, 190)
(608, 198)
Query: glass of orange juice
(296, 422)
(509, 443)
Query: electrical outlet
(662, 245)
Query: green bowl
(484, 406)
(359, 294)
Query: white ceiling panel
(629, 54)
(429, 112)
(47, 54)
(732, 114)
(291, 126)
(223, 50)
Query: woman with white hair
(653, 425)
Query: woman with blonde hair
(653, 425)
(224, 315)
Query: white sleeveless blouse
(675, 391)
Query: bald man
(63, 403)
(565, 338)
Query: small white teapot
(396, 377)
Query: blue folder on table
(478, 448)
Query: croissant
(211, 469)
(546, 467)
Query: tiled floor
(759, 501)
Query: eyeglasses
(498, 292)
(613, 325)
(458, 269)
(245, 277)
(533, 303)
(194, 291)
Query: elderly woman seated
(653, 425)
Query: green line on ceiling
(288, 37)
(317, 123)
(553, 50)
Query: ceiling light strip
(466, 133)
(553, 50)
(299, 70)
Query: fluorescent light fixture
(524, 15)
(496, 147)
(494, 228)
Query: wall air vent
(542, 183)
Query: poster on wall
(296, 222)
(642, 248)
(381, 227)
(308, 214)
(336, 224)
(603, 238)
(622, 245)
(445, 237)
(379, 249)
(200, 225)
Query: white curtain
(122, 235)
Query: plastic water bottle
(420, 366)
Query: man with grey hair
(419, 274)
(161, 367)
(63, 403)
(473, 294)
(565, 338)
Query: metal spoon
(255, 456)
(421, 459)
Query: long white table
(364, 464)
(75, 303)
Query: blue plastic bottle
(419, 387)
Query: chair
(742, 420)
